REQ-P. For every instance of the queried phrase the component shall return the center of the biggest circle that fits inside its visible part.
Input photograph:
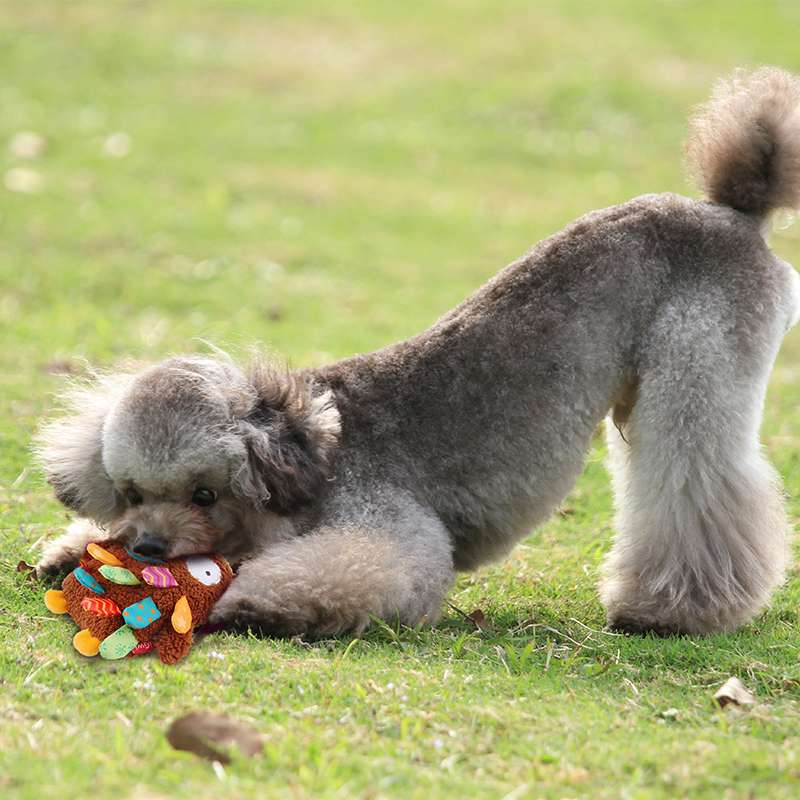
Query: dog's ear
(70, 449)
(290, 429)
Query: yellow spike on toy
(102, 555)
(85, 643)
(55, 601)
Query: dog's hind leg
(701, 530)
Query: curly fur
(744, 144)
(70, 448)
(290, 431)
(359, 488)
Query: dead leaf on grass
(28, 569)
(199, 731)
(275, 313)
(478, 618)
(733, 692)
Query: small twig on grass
(347, 650)
(32, 674)
(593, 630)
(580, 645)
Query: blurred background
(321, 177)
(326, 178)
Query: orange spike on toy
(182, 616)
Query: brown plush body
(168, 600)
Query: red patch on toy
(128, 606)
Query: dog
(359, 489)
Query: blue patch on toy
(142, 613)
(146, 559)
(87, 580)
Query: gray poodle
(359, 489)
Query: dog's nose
(148, 544)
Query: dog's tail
(744, 143)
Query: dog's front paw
(232, 611)
(56, 560)
(63, 554)
(236, 610)
(239, 611)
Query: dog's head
(179, 456)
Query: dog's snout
(148, 544)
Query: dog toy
(127, 605)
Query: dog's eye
(133, 497)
(204, 497)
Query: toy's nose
(148, 544)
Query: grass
(327, 178)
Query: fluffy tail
(744, 143)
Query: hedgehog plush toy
(125, 604)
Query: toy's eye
(204, 569)
(204, 497)
(133, 497)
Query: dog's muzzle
(149, 545)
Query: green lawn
(325, 178)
